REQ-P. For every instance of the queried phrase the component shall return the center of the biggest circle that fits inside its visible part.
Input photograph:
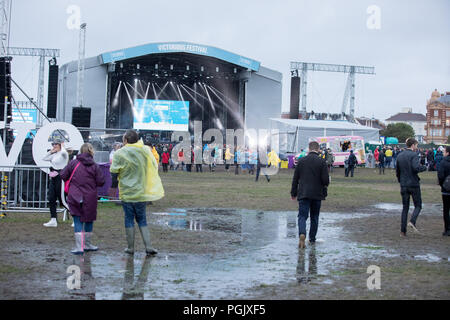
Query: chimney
(407, 110)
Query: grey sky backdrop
(410, 53)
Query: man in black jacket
(444, 171)
(408, 167)
(309, 187)
(352, 162)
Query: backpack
(446, 184)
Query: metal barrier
(25, 190)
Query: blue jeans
(308, 207)
(88, 226)
(135, 210)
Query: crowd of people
(242, 158)
(134, 174)
(386, 157)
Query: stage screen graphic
(161, 115)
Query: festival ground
(225, 236)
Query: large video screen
(161, 115)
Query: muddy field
(222, 236)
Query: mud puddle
(266, 254)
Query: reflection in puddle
(307, 265)
(134, 290)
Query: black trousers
(54, 193)
(258, 171)
(406, 193)
(348, 170)
(199, 167)
(164, 165)
(446, 205)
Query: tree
(401, 131)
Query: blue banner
(186, 47)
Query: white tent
(294, 134)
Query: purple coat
(82, 197)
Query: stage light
(235, 70)
(138, 66)
(135, 80)
(202, 69)
(217, 69)
(156, 66)
(121, 65)
(171, 67)
(187, 68)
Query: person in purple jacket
(82, 196)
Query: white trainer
(412, 226)
(51, 223)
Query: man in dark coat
(381, 159)
(309, 187)
(408, 167)
(352, 162)
(444, 172)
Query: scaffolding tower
(302, 68)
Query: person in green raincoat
(135, 171)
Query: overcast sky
(410, 51)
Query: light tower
(81, 65)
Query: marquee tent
(294, 134)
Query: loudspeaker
(295, 98)
(52, 91)
(5, 88)
(81, 117)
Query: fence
(25, 190)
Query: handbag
(67, 184)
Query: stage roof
(180, 47)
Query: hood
(86, 159)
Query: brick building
(438, 118)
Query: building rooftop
(445, 99)
(408, 116)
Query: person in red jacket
(376, 155)
(165, 160)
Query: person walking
(258, 168)
(84, 177)
(430, 159)
(134, 170)
(381, 160)
(165, 160)
(309, 187)
(181, 160)
(352, 162)
(58, 158)
(443, 174)
(408, 167)
(388, 159)
(330, 160)
(438, 158)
